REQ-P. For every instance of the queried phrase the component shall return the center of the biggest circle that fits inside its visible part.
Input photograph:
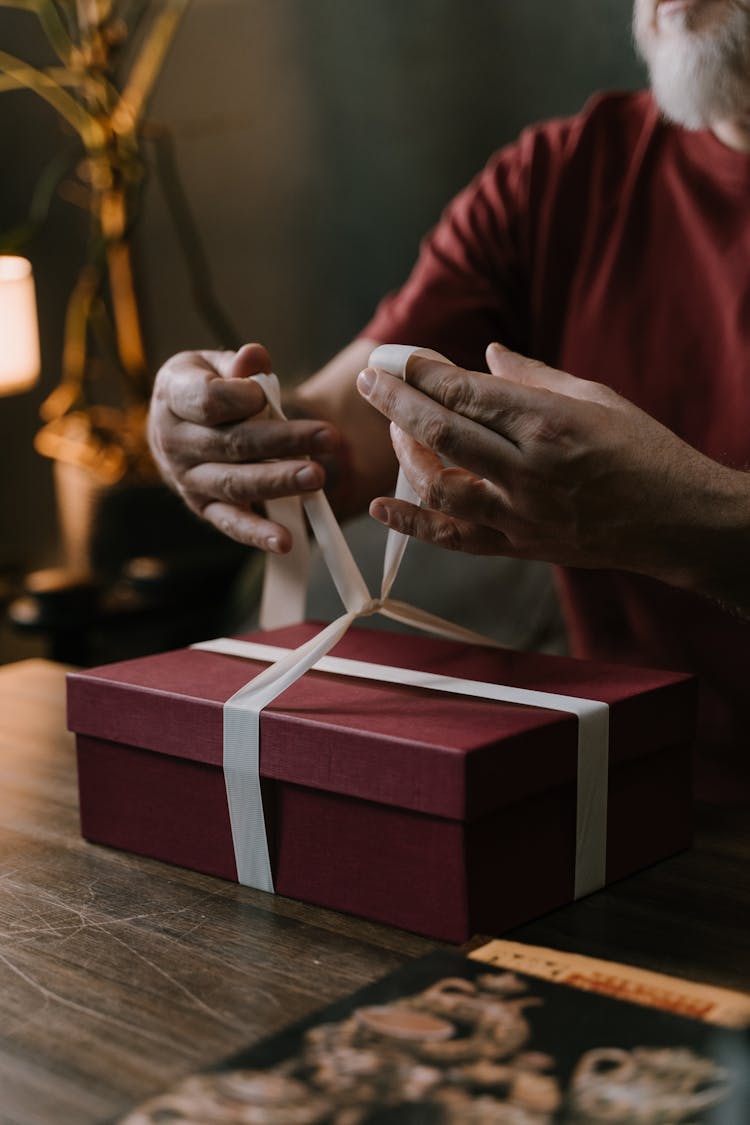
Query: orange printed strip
(719, 1006)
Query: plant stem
(189, 238)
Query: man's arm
(214, 446)
(547, 466)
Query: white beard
(698, 77)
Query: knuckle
(160, 392)
(203, 402)
(480, 495)
(433, 491)
(169, 365)
(437, 433)
(225, 521)
(181, 358)
(169, 441)
(388, 393)
(193, 500)
(447, 535)
(550, 426)
(154, 434)
(237, 443)
(548, 430)
(230, 527)
(168, 375)
(457, 394)
(191, 485)
(228, 486)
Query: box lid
(447, 755)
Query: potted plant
(109, 56)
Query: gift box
(440, 813)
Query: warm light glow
(19, 333)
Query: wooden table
(120, 974)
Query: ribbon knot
(283, 603)
(375, 605)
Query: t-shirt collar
(704, 149)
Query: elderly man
(614, 246)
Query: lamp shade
(19, 332)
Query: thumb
(520, 369)
(506, 364)
(251, 359)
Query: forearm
(709, 553)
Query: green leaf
(148, 64)
(43, 84)
(59, 74)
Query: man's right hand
(214, 444)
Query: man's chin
(698, 75)
(680, 105)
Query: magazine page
(450, 1040)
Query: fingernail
(324, 441)
(379, 511)
(307, 477)
(272, 543)
(366, 381)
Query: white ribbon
(283, 604)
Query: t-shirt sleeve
(470, 283)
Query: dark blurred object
(10, 580)
(159, 578)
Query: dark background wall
(318, 140)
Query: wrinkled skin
(547, 466)
(214, 446)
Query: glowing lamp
(19, 332)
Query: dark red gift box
(442, 814)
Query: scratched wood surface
(119, 974)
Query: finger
(444, 531)
(192, 387)
(449, 490)
(251, 359)
(515, 412)
(459, 439)
(253, 440)
(247, 527)
(527, 372)
(248, 484)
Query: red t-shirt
(616, 247)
